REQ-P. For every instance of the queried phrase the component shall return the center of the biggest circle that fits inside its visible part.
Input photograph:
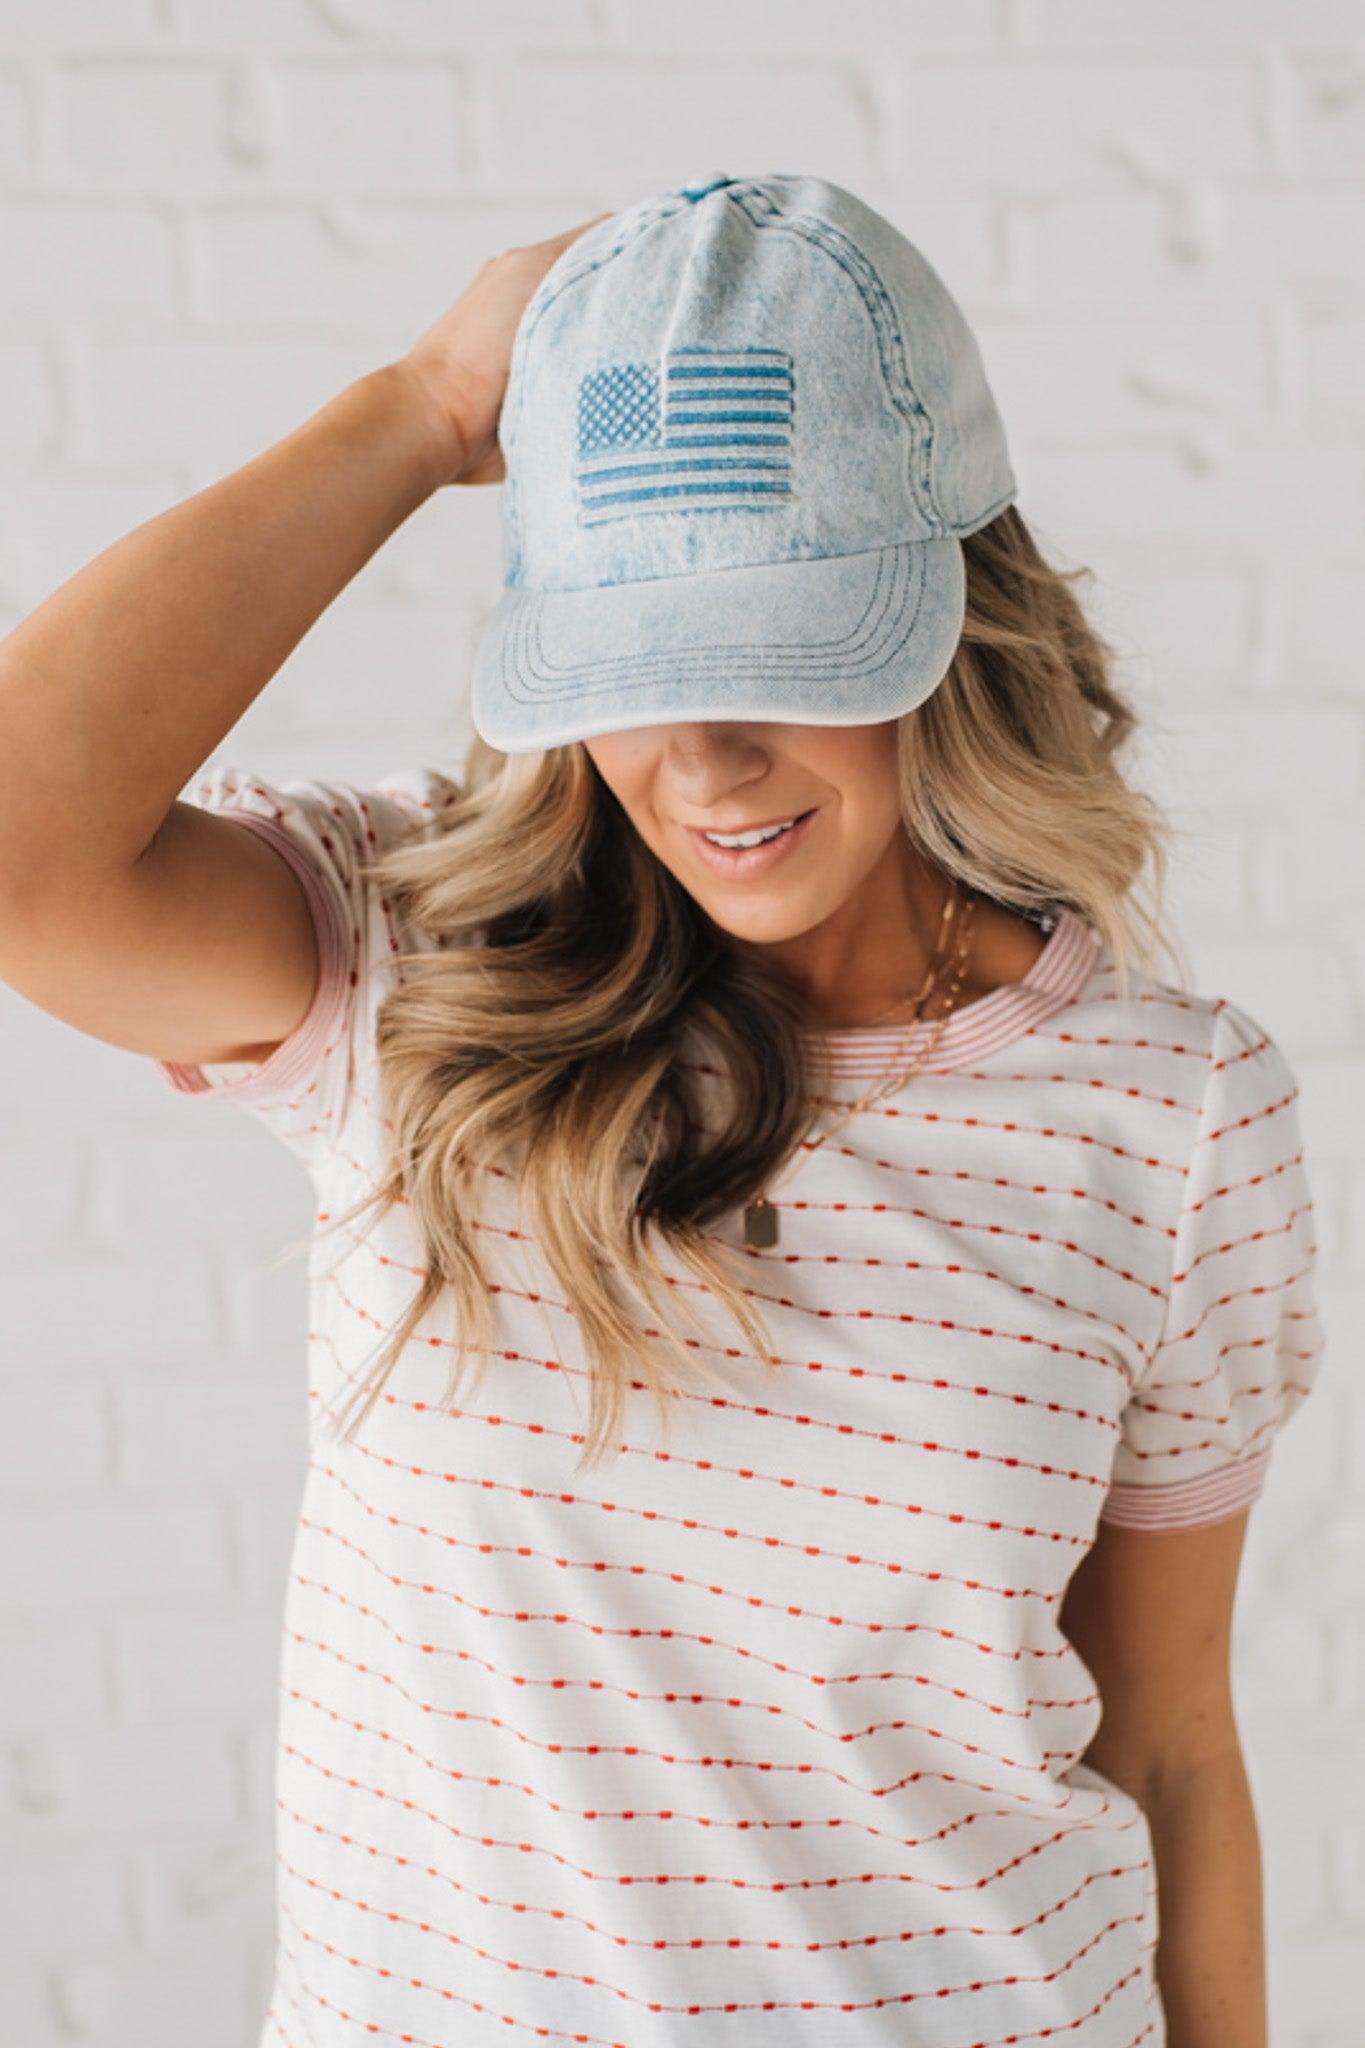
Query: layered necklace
(957, 916)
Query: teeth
(748, 838)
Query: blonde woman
(809, 1621)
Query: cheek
(611, 769)
(636, 804)
(625, 774)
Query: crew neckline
(1059, 972)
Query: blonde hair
(543, 1028)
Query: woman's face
(725, 774)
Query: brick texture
(210, 218)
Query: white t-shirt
(768, 1734)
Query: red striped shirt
(766, 1731)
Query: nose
(716, 748)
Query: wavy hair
(542, 1031)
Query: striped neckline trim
(1058, 974)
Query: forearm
(124, 680)
(1211, 1947)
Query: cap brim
(829, 640)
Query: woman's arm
(119, 686)
(1211, 1952)
(141, 920)
(1150, 1611)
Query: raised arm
(130, 915)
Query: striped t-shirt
(767, 1733)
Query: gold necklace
(760, 1218)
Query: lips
(742, 861)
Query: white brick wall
(212, 216)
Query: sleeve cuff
(1188, 1502)
(296, 1057)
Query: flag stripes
(709, 428)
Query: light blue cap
(745, 427)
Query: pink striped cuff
(1188, 1502)
(298, 1055)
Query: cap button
(697, 188)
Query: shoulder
(338, 822)
(422, 797)
(1192, 1078)
(1157, 1059)
(1140, 1013)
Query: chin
(770, 926)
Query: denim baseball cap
(744, 430)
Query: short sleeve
(1242, 1337)
(324, 830)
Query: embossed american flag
(705, 429)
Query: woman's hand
(460, 365)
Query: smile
(756, 858)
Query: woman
(768, 1709)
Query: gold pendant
(760, 1224)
